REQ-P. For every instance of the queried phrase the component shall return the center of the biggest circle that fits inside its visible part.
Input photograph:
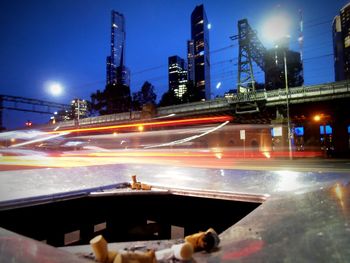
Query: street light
(322, 119)
(287, 102)
(276, 29)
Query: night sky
(67, 41)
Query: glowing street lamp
(322, 119)
(317, 117)
(276, 29)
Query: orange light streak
(152, 124)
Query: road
(217, 146)
(223, 159)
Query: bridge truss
(250, 49)
(29, 105)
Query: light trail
(190, 121)
(188, 138)
(38, 140)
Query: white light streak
(188, 138)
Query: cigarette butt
(136, 186)
(196, 240)
(133, 257)
(146, 187)
(211, 240)
(183, 251)
(99, 246)
(133, 178)
(111, 256)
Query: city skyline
(35, 52)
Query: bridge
(23, 104)
(265, 99)
(257, 107)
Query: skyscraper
(274, 68)
(116, 70)
(190, 60)
(341, 44)
(199, 60)
(177, 75)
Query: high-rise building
(274, 68)
(116, 70)
(200, 55)
(338, 50)
(177, 75)
(341, 44)
(79, 108)
(190, 60)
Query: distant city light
(218, 85)
(209, 26)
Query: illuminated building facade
(199, 59)
(341, 44)
(116, 70)
(79, 108)
(177, 75)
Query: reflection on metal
(243, 197)
(288, 181)
(339, 194)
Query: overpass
(241, 105)
(259, 107)
(29, 105)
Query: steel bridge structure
(17, 103)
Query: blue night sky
(68, 41)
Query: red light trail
(190, 121)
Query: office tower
(190, 60)
(274, 67)
(177, 75)
(116, 70)
(341, 44)
(79, 108)
(338, 50)
(200, 55)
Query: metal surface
(305, 216)
(18, 249)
